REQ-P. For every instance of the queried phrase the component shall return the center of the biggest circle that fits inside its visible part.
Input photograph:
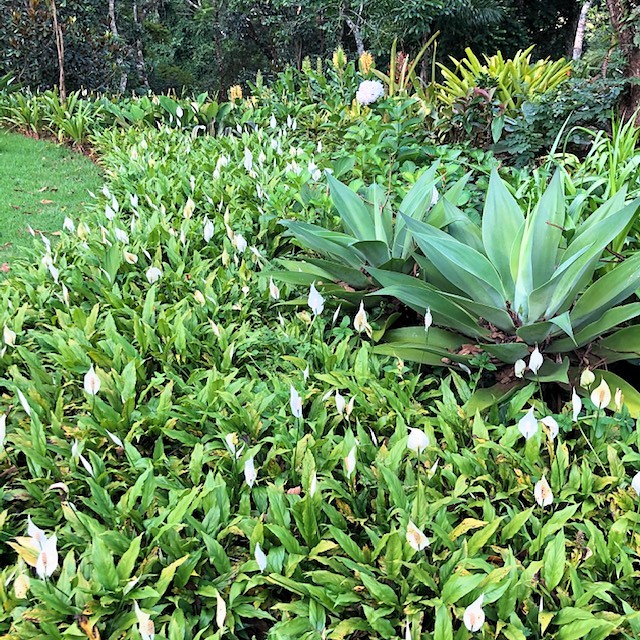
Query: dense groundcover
(244, 465)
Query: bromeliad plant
(518, 281)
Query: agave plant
(372, 235)
(518, 281)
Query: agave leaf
(553, 372)
(536, 332)
(465, 267)
(462, 228)
(321, 240)
(419, 296)
(540, 242)
(417, 345)
(607, 321)
(508, 352)
(337, 271)
(625, 341)
(382, 217)
(354, 213)
(563, 322)
(375, 252)
(614, 203)
(609, 290)
(415, 205)
(501, 221)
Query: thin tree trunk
(60, 48)
(119, 60)
(140, 64)
(582, 23)
(355, 25)
(627, 31)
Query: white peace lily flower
(407, 630)
(130, 258)
(273, 123)
(47, 561)
(9, 336)
(260, 557)
(416, 538)
(250, 473)
(373, 437)
(369, 91)
(315, 301)
(221, 611)
(535, 361)
(109, 213)
(59, 486)
(587, 378)
(115, 439)
(289, 121)
(528, 425)
(295, 401)
(239, 243)
(145, 623)
(91, 382)
(37, 535)
(340, 402)
(350, 404)
(87, 465)
(248, 159)
(519, 368)
(121, 235)
(418, 440)
(542, 492)
(350, 462)
(576, 404)
(3, 429)
(199, 297)
(601, 395)
(618, 400)
(24, 402)
(428, 319)
(153, 274)
(473, 617)
(55, 273)
(189, 208)
(74, 449)
(313, 484)
(274, 292)
(208, 230)
(551, 423)
(360, 323)
(635, 483)
(305, 373)
(65, 295)
(68, 225)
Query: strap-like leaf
(501, 220)
(465, 267)
(354, 213)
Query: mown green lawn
(40, 184)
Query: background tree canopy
(211, 44)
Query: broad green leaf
(502, 218)
(554, 560)
(354, 213)
(465, 267)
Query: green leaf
(502, 218)
(554, 560)
(103, 566)
(354, 213)
(443, 625)
(465, 267)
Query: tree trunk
(625, 23)
(140, 64)
(119, 60)
(60, 48)
(355, 25)
(582, 23)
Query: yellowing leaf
(466, 525)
